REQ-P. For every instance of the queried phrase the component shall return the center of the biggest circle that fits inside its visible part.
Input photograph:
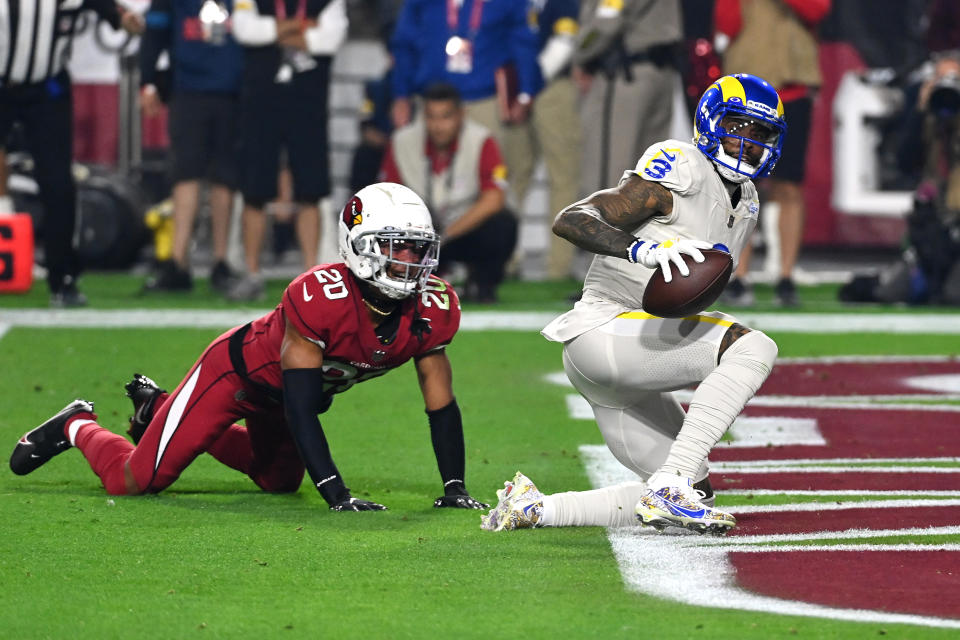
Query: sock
(75, 422)
(606, 507)
(719, 400)
(106, 452)
(233, 449)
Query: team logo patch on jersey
(353, 213)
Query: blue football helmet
(746, 108)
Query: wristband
(633, 251)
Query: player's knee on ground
(279, 480)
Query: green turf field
(215, 557)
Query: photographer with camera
(928, 271)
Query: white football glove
(661, 254)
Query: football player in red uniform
(337, 324)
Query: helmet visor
(407, 256)
(744, 126)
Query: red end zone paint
(852, 378)
(793, 522)
(826, 481)
(917, 582)
(860, 433)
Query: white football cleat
(671, 500)
(519, 506)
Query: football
(688, 295)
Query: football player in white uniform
(680, 198)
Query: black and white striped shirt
(35, 36)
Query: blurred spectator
(627, 69)
(288, 46)
(554, 126)
(371, 19)
(700, 64)
(35, 91)
(784, 31)
(454, 163)
(6, 202)
(472, 45)
(929, 270)
(375, 130)
(206, 65)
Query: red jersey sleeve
(493, 171)
(388, 167)
(439, 305)
(810, 11)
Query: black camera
(945, 96)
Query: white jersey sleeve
(668, 163)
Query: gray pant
(621, 119)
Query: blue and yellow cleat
(671, 501)
(519, 506)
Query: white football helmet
(387, 239)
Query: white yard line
(726, 466)
(841, 506)
(649, 561)
(928, 493)
(941, 323)
(835, 469)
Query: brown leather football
(688, 295)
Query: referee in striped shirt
(35, 41)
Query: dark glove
(456, 496)
(355, 504)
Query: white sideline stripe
(3, 329)
(815, 461)
(941, 323)
(648, 563)
(932, 493)
(878, 403)
(833, 506)
(826, 469)
(176, 413)
(831, 535)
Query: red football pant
(199, 417)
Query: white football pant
(627, 369)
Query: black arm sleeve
(303, 399)
(157, 38)
(106, 9)
(446, 431)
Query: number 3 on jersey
(433, 294)
(334, 287)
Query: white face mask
(727, 172)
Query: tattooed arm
(601, 222)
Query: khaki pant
(554, 131)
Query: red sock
(233, 449)
(106, 452)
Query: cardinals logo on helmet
(353, 212)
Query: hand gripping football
(687, 295)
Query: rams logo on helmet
(353, 213)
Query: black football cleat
(46, 441)
(144, 393)
(705, 491)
